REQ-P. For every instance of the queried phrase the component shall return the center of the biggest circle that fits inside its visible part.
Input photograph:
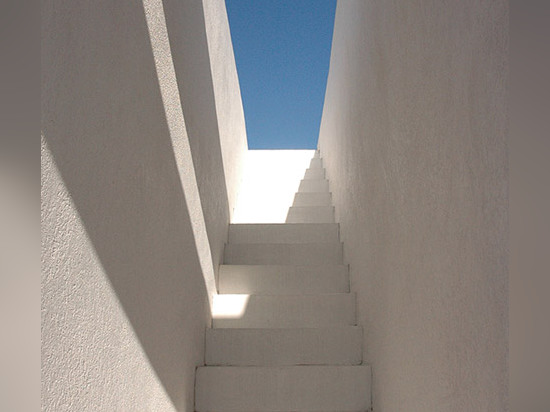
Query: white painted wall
(209, 89)
(134, 202)
(271, 179)
(414, 141)
(229, 107)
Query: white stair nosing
(313, 186)
(312, 199)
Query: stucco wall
(124, 300)
(227, 92)
(414, 140)
(212, 119)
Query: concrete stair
(339, 345)
(277, 233)
(290, 311)
(284, 334)
(283, 279)
(283, 253)
(310, 214)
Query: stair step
(283, 233)
(283, 388)
(310, 214)
(313, 199)
(283, 253)
(309, 186)
(314, 174)
(306, 346)
(283, 279)
(316, 163)
(283, 311)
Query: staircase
(284, 334)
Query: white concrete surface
(310, 214)
(290, 311)
(203, 211)
(312, 199)
(199, 42)
(316, 162)
(269, 316)
(282, 233)
(134, 198)
(271, 178)
(283, 253)
(284, 388)
(414, 142)
(227, 93)
(283, 279)
(309, 185)
(314, 174)
(264, 347)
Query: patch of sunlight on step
(271, 179)
(229, 306)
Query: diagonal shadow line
(106, 127)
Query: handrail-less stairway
(287, 339)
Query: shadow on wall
(104, 123)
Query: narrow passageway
(284, 335)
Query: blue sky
(282, 51)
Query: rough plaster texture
(227, 92)
(212, 120)
(414, 141)
(124, 245)
(92, 359)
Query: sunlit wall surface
(271, 179)
(282, 51)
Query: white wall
(209, 88)
(131, 184)
(414, 141)
(229, 107)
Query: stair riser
(283, 254)
(263, 347)
(283, 279)
(313, 186)
(282, 233)
(312, 199)
(322, 214)
(312, 388)
(314, 174)
(316, 163)
(280, 311)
